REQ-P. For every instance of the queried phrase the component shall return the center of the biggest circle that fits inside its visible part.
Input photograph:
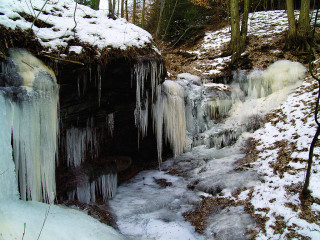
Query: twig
(74, 19)
(185, 31)
(65, 60)
(24, 230)
(44, 221)
(35, 19)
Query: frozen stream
(219, 121)
(148, 209)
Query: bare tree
(238, 38)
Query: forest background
(184, 22)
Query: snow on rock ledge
(56, 25)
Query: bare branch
(35, 19)
(305, 190)
(44, 221)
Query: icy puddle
(218, 121)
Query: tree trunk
(143, 13)
(235, 30)
(292, 31)
(114, 8)
(122, 8)
(111, 13)
(134, 11)
(304, 24)
(244, 24)
(160, 18)
(127, 15)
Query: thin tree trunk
(134, 11)
(244, 24)
(122, 8)
(173, 11)
(160, 18)
(114, 8)
(111, 12)
(143, 13)
(127, 15)
(305, 190)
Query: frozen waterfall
(31, 94)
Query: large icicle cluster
(143, 71)
(32, 109)
(169, 117)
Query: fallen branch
(65, 60)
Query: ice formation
(174, 116)
(277, 76)
(110, 123)
(143, 71)
(105, 185)
(33, 118)
(169, 117)
(245, 101)
(81, 143)
(8, 181)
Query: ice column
(33, 118)
(8, 181)
(170, 110)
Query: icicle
(78, 83)
(110, 123)
(157, 113)
(142, 70)
(107, 185)
(99, 83)
(174, 116)
(34, 126)
(141, 120)
(81, 143)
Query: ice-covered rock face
(240, 106)
(32, 108)
(24, 70)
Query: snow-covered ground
(67, 22)
(260, 24)
(283, 144)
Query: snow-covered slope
(63, 21)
